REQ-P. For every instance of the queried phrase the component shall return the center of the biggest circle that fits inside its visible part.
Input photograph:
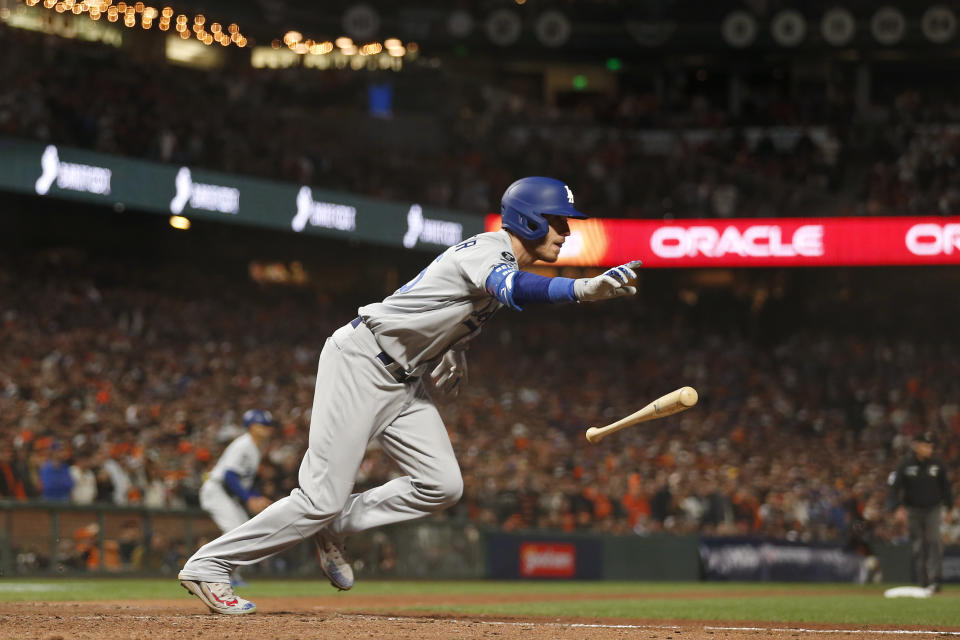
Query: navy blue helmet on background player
(257, 416)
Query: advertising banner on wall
(558, 557)
(761, 242)
(951, 564)
(548, 560)
(779, 560)
(141, 186)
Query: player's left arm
(516, 288)
(250, 498)
(233, 484)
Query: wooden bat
(673, 402)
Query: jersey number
(411, 284)
(418, 278)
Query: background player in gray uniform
(228, 494)
(369, 385)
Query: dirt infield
(305, 618)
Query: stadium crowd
(455, 141)
(116, 389)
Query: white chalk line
(889, 632)
(29, 587)
(587, 625)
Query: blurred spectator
(11, 487)
(84, 481)
(130, 547)
(154, 487)
(55, 474)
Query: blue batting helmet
(527, 200)
(257, 416)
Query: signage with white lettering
(141, 186)
(933, 239)
(70, 176)
(548, 560)
(761, 242)
(420, 229)
(209, 197)
(758, 241)
(753, 559)
(329, 215)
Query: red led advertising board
(760, 242)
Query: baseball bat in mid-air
(673, 402)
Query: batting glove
(451, 370)
(610, 284)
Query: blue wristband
(517, 289)
(561, 290)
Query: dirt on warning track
(303, 618)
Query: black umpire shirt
(920, 483)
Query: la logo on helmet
(569, 194)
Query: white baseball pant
(224, 509)
(355, 401)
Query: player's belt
(392, 366)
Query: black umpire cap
(925, 436)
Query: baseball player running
(228, 493)
(370, 386)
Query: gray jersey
(242, 457)
(444, 303)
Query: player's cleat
(332, 562)
(219, 597)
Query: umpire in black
(919, 490)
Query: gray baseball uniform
(369, 386)
(242, 456)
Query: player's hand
(256, 504)
(612, 283)
(451, 371)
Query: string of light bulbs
(165, 19)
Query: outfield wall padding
(654, 557)
(895, 562)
